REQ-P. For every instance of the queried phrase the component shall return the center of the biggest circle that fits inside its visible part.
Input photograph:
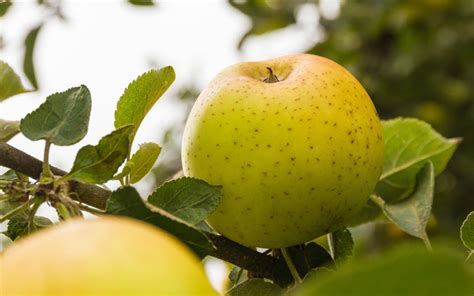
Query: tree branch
(19, 161)
(95, 196)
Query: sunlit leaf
(143, 160)
(8, 129)
(28, 60)
(97, 164)
(10, 83)
(140, 95)
(409, 145)
(63, 119)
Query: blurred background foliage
(415, 58)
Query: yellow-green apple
(104, 256)
(295, 142)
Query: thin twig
(90, 209)
(46, 171)
(31, 216)
(427, 242)
(291, 266)
(63, 211)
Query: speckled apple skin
(296, 158)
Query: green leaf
(141, 2)
(409, 145)
(255, 287)
(140, 95)
(7, 206)
(4, 7)
(264, 16)
(62, 120)
(18, 226)
(125, 171)
(305, 258)
(10, 83)
(28, 63)
(187, 198)
(467, 232)
(8, 129)
(98, 164)
(203, 226)
(412, 214)
(317, 273)
(237, 275)
(5, 241)
(343, 245)
(127, 202)
(408, 270)
(142, 161)
(9, 175)
(368, 213)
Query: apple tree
(396, 186)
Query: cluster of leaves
(388, 54)
(415, 154)
(179, 206)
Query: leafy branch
(414, 155)
(92, 195)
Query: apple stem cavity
(272, 78)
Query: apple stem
(272, 78)
(291, 265)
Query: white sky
(106, 44)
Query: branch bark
(19, 161)
(259, 264)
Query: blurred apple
(105, 256)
